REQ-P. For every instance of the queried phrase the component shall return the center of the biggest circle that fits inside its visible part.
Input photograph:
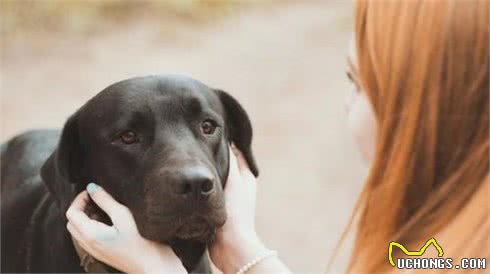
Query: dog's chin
(197, 236)
(195, 229)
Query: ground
(285, 63)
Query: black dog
(158, 144)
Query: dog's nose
(196, 181)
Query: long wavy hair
(424, 66)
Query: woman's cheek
(362, 124)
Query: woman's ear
(62, 170)
(239, 128)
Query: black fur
(43, 170)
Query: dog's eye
(208, 127)
(129, 137)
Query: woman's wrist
(239, 247)
(161, 260)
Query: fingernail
(92, 188)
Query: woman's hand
(236, 242)
(120, 245)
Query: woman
(420, 114)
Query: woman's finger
(76, 215)
(240, 159)
(87, 227)
(81, 201)
(73, 231)
(93, 232)
(89, 246)
(76, 234)
(103, 199)
(81, 240)
(234, 171)
(120, 215)
(82, 224)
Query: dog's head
(159, 145)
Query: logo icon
(420, 252)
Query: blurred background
(283, 60)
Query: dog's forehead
(147, 92)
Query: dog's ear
(239, 128)
(62, 169)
